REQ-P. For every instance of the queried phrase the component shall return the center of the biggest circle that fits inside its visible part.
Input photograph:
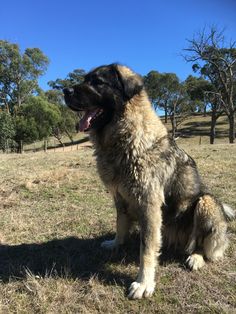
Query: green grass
(55, 212)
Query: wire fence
(46, 145)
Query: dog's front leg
(150, 243)
(122, 224)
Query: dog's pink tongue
(84, 123)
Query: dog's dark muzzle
(81, 97)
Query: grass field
(55, 212)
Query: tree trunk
(231, 118)
(173, 123)
(59, 139)
(213, 127)
(166, 114)
(69, 135)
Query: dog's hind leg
(209, 232)
(216, 241)
(195, 259)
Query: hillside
(198, 126)
(193, 130)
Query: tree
(153, 83)
(214, 99)
(69, 118)
(167, 93)
(26, 129)
(196, 87)
(37, 120)
(54, 96)
(202, 92)
(75, 77)
(177, 104)
(7, 130)
(19, 73)
(66, 124)
(216, 62)
(157, 85)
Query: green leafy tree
(196, 88)
(19, 73)
(153, 84)
(177, 103)
(26, 129)
(167, 93)
(75, 77)
(67, 124)
(54, 96)
(37, 120)
(69, 119)
(7, 130)
(204, 94)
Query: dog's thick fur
(151, 179)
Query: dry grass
(54, 214)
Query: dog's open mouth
(89, 118)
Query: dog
(151, 179)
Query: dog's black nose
(68, 91)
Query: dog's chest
(126, 175)
(112, 169)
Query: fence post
(21, 148)
(200, 140)
(7, 147)
(45, 145)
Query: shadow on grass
(203, 123)
(71, 257)
(192, 131)
(201, 128)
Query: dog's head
(104, 93)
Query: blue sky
(145, 35)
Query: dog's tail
(229, 212)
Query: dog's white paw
(138, 290)
(109, 244)
(195, 261)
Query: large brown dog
(151, 179)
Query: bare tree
(217, 62)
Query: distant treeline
(28, 114)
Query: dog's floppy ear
(132, 83)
